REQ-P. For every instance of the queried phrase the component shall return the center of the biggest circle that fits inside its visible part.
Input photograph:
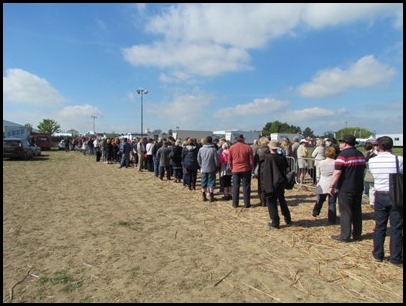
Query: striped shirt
(380, 167)
(351, 163)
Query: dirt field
(75, 230)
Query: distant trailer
(397, 139)
(281, 136)
(183, 134)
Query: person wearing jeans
(241, 161)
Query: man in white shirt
(381, 166)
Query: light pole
(142, 92)
(94, 121)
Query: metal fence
(308, 172)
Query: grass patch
(125, 224)
(61, 277)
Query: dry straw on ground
(88, 232)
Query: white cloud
(78, 117)
(184, 110)
(257, 107)
(214, 38)
(204, 59)
(320, 15)
(366, 72)
(20, 86)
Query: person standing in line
(301, 160)
(225, 171)
(259, 156)
(273, 178)
(149, 148)
(318, 154)
(208, 160)
(371, 147)
(163, 155)
(254, 148)
(295, 146)
(125, 153)
(241, 160)
(325, 171)
(332, 142)
(189, 162)
(219, 151)
(287, 147)
(141, 149)
(381, 166)
(176, 159)
(348, 178)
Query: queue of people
(339, 174)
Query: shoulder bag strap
(397, 164)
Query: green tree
(49, 126)
(328, 134)
(73, 132)
(358, 132)
(279, 127)
(307, 132)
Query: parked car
(17, 148)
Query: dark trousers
(272, 203)
(332, 211)
(163, 170)
(384, 210)
(349, 204)
(244, 179)
(192, 173)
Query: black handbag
(290, 179)
(396, 188)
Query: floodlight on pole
(142, 92)
(94, 123)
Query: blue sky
(205, 66)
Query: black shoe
(247, 206)
(377, 259)
(315, 214)
(271, 225)
(339, 238)
(288, 221)
(395, 263)
(235, 206)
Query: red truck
(43, 141)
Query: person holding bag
(382, 167)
